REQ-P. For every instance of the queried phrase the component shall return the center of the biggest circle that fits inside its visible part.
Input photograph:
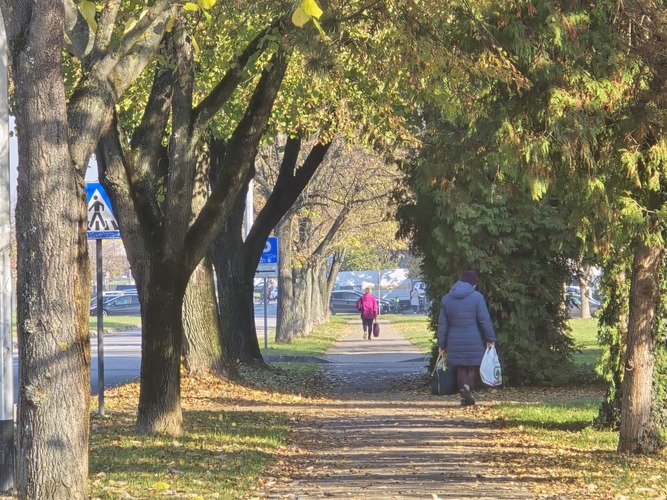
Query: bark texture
(637, 435)
(53, 281)
(201, 345)
(161, 345)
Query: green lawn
(315, 344)
(116, 323)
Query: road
(122, 352)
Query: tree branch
(238, 162)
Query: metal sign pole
(100, 327)
(379, 293)
(266, 332)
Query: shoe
(466, 395)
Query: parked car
(345, 302)
(122, 305)
(573, 301)
(106, 297)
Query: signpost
(101, 225)
(268, 268)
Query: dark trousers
(467, 375)
(368, 326)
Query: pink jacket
(368, 306)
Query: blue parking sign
(270, 253)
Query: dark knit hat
(470, 276)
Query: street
(122, 352)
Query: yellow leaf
(300, 18)
(170, 25)
(161, 486)
(310, 8)
(206, 4)
(190, 6)
(88, 11)
(195, 45)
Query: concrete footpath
(359, 364)
(381, 435)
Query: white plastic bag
(489, 370)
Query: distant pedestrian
(414, 299)
(367, 305)
(464, 332)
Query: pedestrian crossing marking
(101, 218)
(102, 223)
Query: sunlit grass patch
(414, 327)
(557, 422)
(315, 344)
(222, 454)
(556, 438)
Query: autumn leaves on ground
(283, 434)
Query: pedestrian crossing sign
(101, 220)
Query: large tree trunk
(53, 279)
(201, 344)
(161, 317)
(235, 289)
(636, 431)
(202, 348)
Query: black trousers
(368, 326)
(467, 375)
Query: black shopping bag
(443, 381)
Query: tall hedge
(464, 218)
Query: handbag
(443, 378)
(489, 370)
(376, 329)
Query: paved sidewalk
(377, 438)
(361, 365)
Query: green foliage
(461, 217)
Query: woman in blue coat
(464, 332)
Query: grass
(315, 344)
(413, 327)
(584, 332)
(116, 323)
(555, 436)
(223, 452)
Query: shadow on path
(382, 435)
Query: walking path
(383, 436)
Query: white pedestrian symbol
(102, 219)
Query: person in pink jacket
(367, 305)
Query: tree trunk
(235, 291)
(301, 301)
(235, 295)
(285, 314)
(160, 393)
(53, 279)
(320, 298)
(636, 431)
(583, 290)
(202, 350)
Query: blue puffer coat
(464, 325)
